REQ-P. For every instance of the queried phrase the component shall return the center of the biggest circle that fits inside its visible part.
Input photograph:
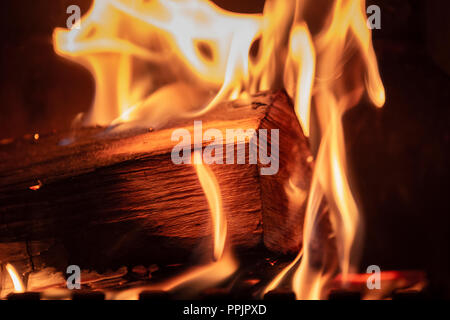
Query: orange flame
(224, 264)
(338, 88)
(153, 61)
(157, 60)
(212, 192)
(143, 52)
(15, 278)
(37, 186)
(345, 67)
(299, 73)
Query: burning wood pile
(213, 136)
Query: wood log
(113, 199)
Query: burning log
(117, 198)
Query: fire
(301, 63)
(346, 67)
(145, 53)
(37, 186)
(212, 192)
(224, 264)
(280, 277)
(154, 61)
(15, 278)
(157, 60)
(339, 87)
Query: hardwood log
(113, 199)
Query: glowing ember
(388, 281)
(280, 277)
(6, 141)
(37, 186)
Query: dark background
(398, 155)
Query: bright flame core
(153, 61)
(346, 67)
(141, 52)
(15, 278)
(212, 191)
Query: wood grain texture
(116, 199)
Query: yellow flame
(17, 281)
(343, 49)
(343, 62)
(212, 192)
(157, 60)
(299, 73)
(135, 49)
(224, 264)
(153, 61)
(275, 283)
